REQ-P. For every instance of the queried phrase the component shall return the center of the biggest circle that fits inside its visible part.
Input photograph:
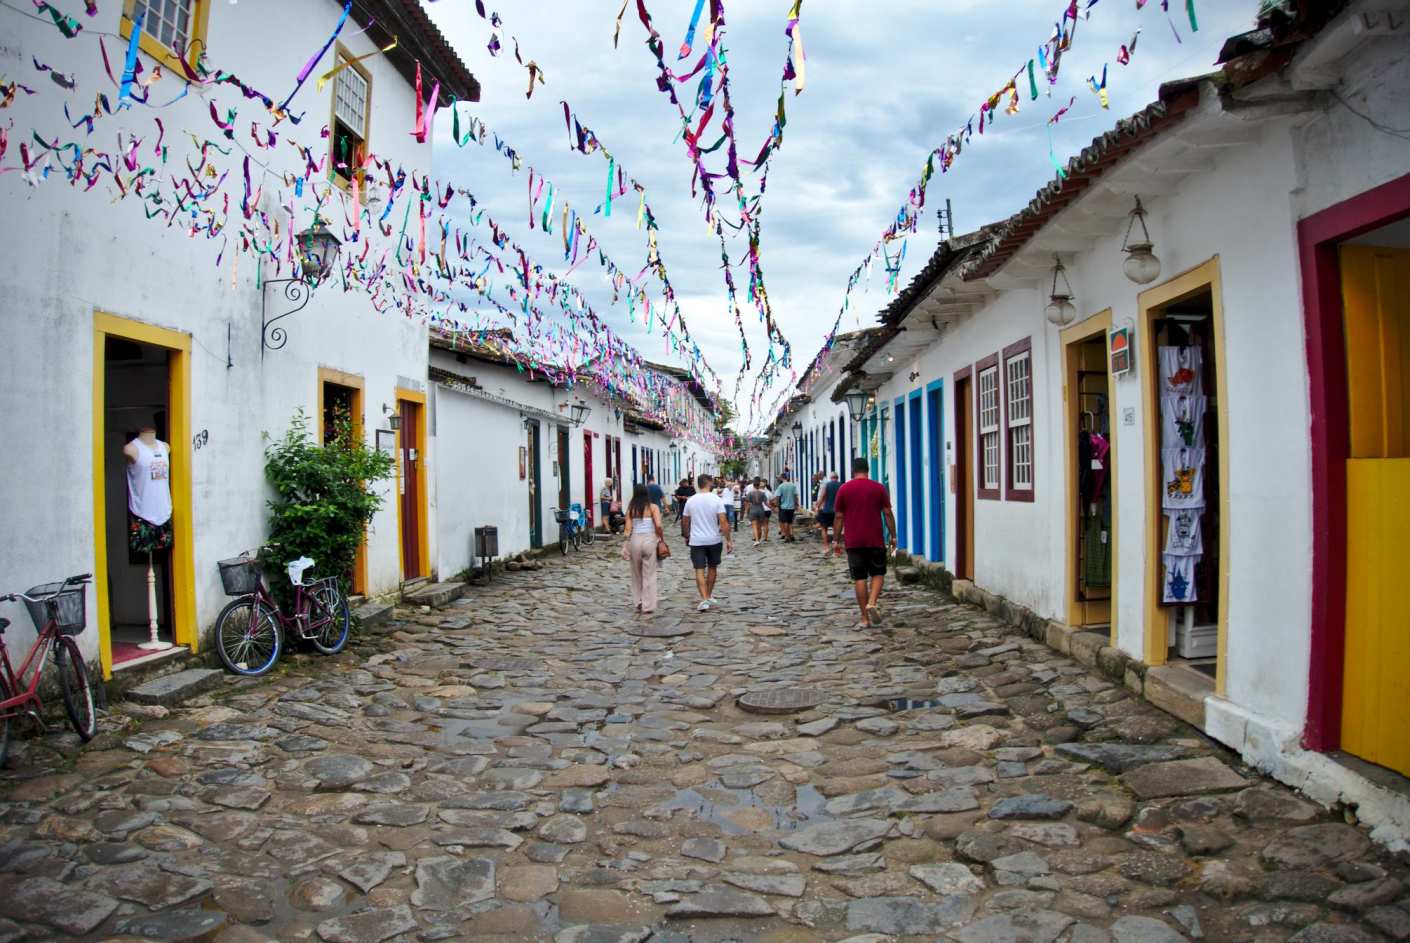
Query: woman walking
(758, 500)
(643, 533)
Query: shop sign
(1119, 347)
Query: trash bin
(486, 542)
(486, 549)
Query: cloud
(885, 85)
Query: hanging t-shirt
(1180, 371)
(1184, 535)
(1180, 579)
(1182, 421)
(149, 482)
(1182, 472)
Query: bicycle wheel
(247, 637)
(5, 695)
(76, 689)
(577, 539)
(329, 621)
(563, 540)
(589, 534)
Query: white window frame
(1019, 390)
(989, 426)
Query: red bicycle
(250, 632)
(59, 613)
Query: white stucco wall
(1243, 210)
(477, 465)
(65, 254)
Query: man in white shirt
(706, 530)
(726, 493)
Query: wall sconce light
(317, 254)
(913, 375)
(856, 403)
(579, 413)
(797, 429)
(530, 422)
(393, 419)
(1060, 310)
(1141, 265)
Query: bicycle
(250, 631)
(59, 612)
(572, 527)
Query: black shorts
(825, 518)
(785, 515)
(866, 562)
(707, 556)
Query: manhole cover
(504, 663)
(658, 631)
(781, 700)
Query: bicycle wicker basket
(64, 603)
(239, 575)
(562, 516)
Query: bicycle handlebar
(75, 580)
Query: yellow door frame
(183, 569)
(1099, 323)
(1203, 277)
(419, 398)
(355, 383)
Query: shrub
(323, 498)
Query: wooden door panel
(1376, 666)
(1376, 679)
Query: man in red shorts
(862, 507)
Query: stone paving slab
(535, 762)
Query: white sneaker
(704, 606)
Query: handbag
(663, 550)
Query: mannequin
(149, 513)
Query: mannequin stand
(153, 643)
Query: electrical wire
(1402, 133)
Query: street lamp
(797, 429)
(1141, 266)
(856, 403)
(318, 254)
(579, 413)
(1060, 310)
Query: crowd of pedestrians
(853, 518)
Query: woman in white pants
(643, 533)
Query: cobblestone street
(532, 764)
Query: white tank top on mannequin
(149, 482)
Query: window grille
(989, 425)
(166, 21)
(1020, 421)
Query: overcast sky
(886, 82)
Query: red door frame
(1318, 237)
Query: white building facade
(1201, 473)
(115, 322)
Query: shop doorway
(935, 439)
(917, 475)
(589, 495)
(142, 385)
(1354, 290)
(963, 475)
(411, 482)
(1091, 460)
(136, 398)
(535, 483)
(1187, 507)
(340, 398)
(565, 484)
